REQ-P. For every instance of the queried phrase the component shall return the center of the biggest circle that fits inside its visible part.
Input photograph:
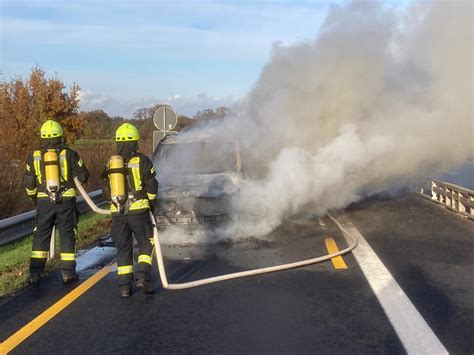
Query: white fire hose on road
(235, 275)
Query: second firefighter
(130, 182)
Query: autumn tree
(210, 114)
(184, 122)
(99, 125)
(24, 106)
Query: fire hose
(235, 275)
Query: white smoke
(381, 96)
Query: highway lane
(316, 307)
(430, 252)
(311, 309)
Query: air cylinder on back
(51, 169)
(117, 181)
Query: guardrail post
(434, 193)
(460, 203)
(471, 206)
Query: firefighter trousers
(65, 216)
(124, 227)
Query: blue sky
(130, 54)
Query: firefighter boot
(68, 277)
(125, 291)
(145, 286)
(35, 278)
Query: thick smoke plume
(381, 96)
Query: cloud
(152, 48)
(185, 105)
(216, 28)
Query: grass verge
(15, 257)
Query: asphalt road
(430, 252)
(315, 309)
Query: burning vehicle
(198, 177)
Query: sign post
(165, 119)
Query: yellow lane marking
(338, 262)
(22, 334)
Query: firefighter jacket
(70, 166)
(141, 184)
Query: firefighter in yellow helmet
(48, 179)
(131, 185)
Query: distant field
(93, 141)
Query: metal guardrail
(456, 198)
(17, 227)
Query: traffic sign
(165, 118)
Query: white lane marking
(413, 331)
(322, 224)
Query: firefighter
(131, 185)
(48, 180)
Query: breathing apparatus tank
(51, 169)
(117, 182)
